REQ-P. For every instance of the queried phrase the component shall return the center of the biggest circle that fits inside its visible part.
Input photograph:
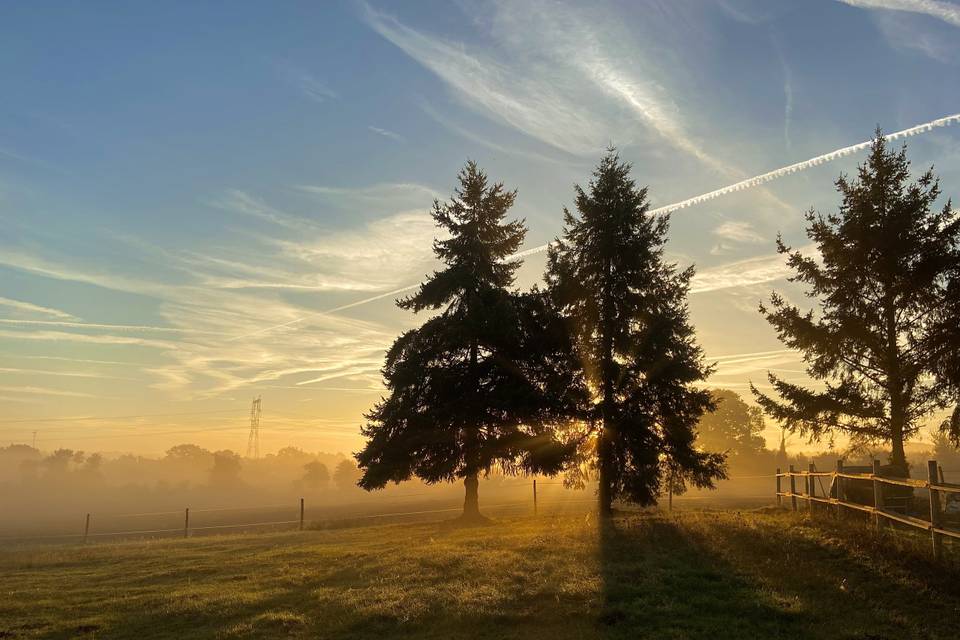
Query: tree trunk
(898, 457)
(606, 479)
(605, 442)
(471, 503)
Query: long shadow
(736, 575)
(659, 583)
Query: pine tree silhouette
(881, 280)
(628, 314)
(481, 383)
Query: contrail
(749, 183)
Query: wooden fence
(934, 485)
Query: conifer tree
(627, 312)
(479, 384)
(881, 279)
(947, 352)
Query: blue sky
(196, 172)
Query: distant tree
(346, 475)
(19, 452)
(60, 462)
(187, 452)
(467, 390)
(19, 460)
(225, 472)
(316, 476)
(93, 466)
(882, 275)
(944, 450)
(184, 463)
(733, 427)
(292, 454)
(628, 314)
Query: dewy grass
(642, 575)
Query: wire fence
(190, 526)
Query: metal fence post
(86, 528)
(935, 538)
(301, 514)
(793, 489)
(534, 496)
(186, 522)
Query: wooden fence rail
(934, 485)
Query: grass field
(696, 575)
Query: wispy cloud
(28, 307)
(911, 33)
(330, 346)
(738, 231)
(533, 101)
(307, 83)
(238, 201)
(63, 336)
(787, 102)
(742, 273)
(44, 391)
(396, 137)
(939, 9)
(135, 328)
(63, 374)
(733, 233)
(38, 265)
(485, 141)
(393, 194)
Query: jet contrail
(749, 183)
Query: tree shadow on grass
(849, 583)
(658, 583)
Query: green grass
(698, 575)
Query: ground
(756, 574)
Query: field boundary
(934, 485)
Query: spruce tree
(880, 281)
(479, 384)
(627, 312)
(947, 351)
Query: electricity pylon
(253, 441)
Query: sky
(202, 203)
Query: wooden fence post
(186, 522)
(811, 486)
(877, 494)
(793, 489)
(301, 514)
(838, 485)
(86, 528)
(935, 537)
(534, 496)
(779, 497)
(670, 492)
